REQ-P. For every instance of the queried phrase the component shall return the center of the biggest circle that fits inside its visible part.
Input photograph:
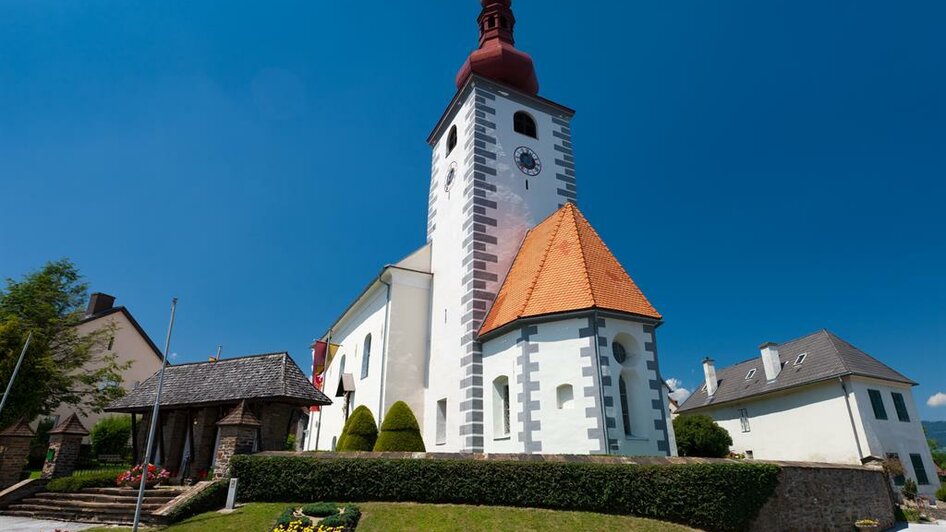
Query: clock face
(451, 176)
(528, 161)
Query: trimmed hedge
(717, 496)
(941, 492)
(348, 518)
(80, 481)
(399, 431)
(320, 509)
(360, 431)
(212, 498)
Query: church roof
(563, 266)
(497, 58)
(826, 357)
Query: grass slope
(260, 517)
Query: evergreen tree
(360, 432)
(399, 431)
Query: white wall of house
(128, 346)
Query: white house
(818, 399)
(513, 329)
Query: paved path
(25, 524)
(916, 527)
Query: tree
(360, 432)
(62, 366)
(699, 435)
(399, 431)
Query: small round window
(619, 353)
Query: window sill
(503, 438)
(440, 443)
(635, 438)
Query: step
(57, 503)
(57, 515)
(174, 492)
(95, 497)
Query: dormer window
(801, 359)
(524, 124)
(750, 374)
(451, 140)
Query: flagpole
(16, 370)
(154, 420)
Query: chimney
(99, 302)
(709, 370)
(770, 360)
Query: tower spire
(497, 57)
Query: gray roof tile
(274, 377)
(828, 357)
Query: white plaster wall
(129, 346)
(499, 360)
(366, 317)
(892, 435)
(805, 424)
(405, 359)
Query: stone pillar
(14, 452)
(238, 435)
(64, 443)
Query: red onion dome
(497, 57)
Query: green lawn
(378, 516)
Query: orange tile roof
(563, 265)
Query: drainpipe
(850, 413)
(604, 417)
(384, 347)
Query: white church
(513, 329)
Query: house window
(750, 374)
(801, 359)
(523, 123)
(451, 140)
(111, 342)
(366, 357)
(625, 407)
(877, 402)
(744, 419)
(565, 397)
(901, 406)
(620, 354)
(750, 455)
(441, 422)
(898, 479)
(920, 470)
(501, 426)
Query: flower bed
(333, 518)
(132, 478)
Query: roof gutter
(850, 413)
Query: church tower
(502, 162)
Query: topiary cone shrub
(360, 432)
(399, 431)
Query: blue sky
(762, 169)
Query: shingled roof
(272, 377)
(562, 266)
(826, 357)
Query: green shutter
(877, 402)
(919, 469)
(901, 407)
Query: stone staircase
(93, 505)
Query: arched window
(620, 354)
(565, 397)
(501, 421)
(451, 139)
(366, 357)
(625, 406)
(525, 124)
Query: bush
(941, 493)
(80, 481)
(211, 498)
(360, 432)
(348, 518)
(111, 435)
(904, 514)
(719, 496)
(909, 490)
(699, 435)
(400, 432)
(320, 509)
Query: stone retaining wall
(809, 496)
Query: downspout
(384, 347)
(850, 413)
(604, 418)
